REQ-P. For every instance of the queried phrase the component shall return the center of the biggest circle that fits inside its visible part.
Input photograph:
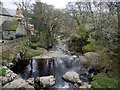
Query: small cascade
(57, 67)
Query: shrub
(78, 41)
(34, 39)
(31, 53)
(89, 47)
(103, 81)
(84, 28)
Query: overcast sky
(57, 3)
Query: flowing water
(57, 67)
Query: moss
(2, 71)
(13, 27)
(31, 53)
(103, 81)
(88, 48)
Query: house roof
(7, 12)
(3, 11)
(9, 25)
(12, 12)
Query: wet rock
(10, 65)
(72, 76)
(85, 84)
(82, 58)
(30, 81)
(89, 86)
(46, 80)
(18, 83)
(9, 76)
(82, 87)
(74, 56)
(86, 76)
(78, 61)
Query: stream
(57, 67)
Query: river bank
(59, 61)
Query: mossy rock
(88, 48)
(31, 53)
(103, 81)
(2, 71)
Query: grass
(31, 53)
(103, 81)
(6, 56)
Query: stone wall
(9, 34)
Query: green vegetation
(89, 47)
(2, 71)
(103, 81)
(78, 41)
(6, 56)
(22, 48)
(13, 27)
(30, 49)
(86, 30)
(31, 53)
(46, 21)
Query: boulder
(18, 83)
(9, 76)
(85, 84)
(82, 87)
(10, 65)
(92, 56)
(92, 59)
(74, 56)
(72, 77)
(82, 58)
(46, 80)
(30, 81)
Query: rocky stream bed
(55, 69)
